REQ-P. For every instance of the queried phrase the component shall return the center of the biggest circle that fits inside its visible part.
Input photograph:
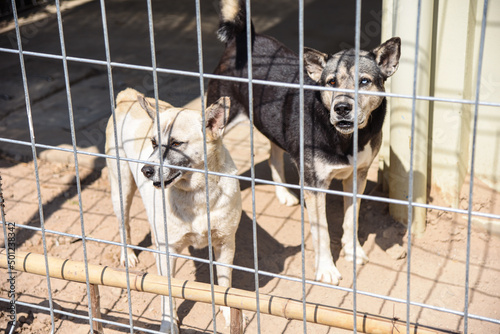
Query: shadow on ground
(374, 216)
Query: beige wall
(487, 162)
(448, 63)
(457, 55)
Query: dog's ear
(314, 62)
(216, 116)
(150, 109)
(387, 56)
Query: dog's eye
(332, 82)
(175, 144)
(154, 143)
(364, 81)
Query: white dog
(182, 145)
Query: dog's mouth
(344, 125)
(166, 183)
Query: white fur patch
(328, 171)
(230, 9)
(365, 157)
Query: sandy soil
(437, 258)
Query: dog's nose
(148, 171)
(343, 108)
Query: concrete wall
(448, 58)
(457, 56)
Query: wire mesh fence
(445, 280)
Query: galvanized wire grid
(253, 180)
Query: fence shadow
(267, 244)
(51, 207)
(374, 216)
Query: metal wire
(301, 162)
(471, 185)
(411, 174)
(35, 161)
(236, 79)
(117, 157)
(205, 162)
(75, 157)
(252, 179)
(268, 274)
(158, 129)
(249, 46)
(268, 182)
(357, 34)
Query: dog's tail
(233, 26)
(232, 19)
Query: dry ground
(437, 258)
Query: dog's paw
(361, 257)
(328, 275)
(286, 197)
(166, 328)
(132, 258)
(226, 312)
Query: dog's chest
(328, 171)
(188, 219)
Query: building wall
(450, 32)
(487, 162)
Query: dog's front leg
(125, 229)
(224, 253)
(348, 225)
(128, 187)
(167, 313)
(285, 196)
(316, 208)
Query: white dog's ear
(387, 56)
(314, 62)
(150, 109)
(216, 117)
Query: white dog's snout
(148, 171)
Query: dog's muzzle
(149, 172)
(342, 119)
(166, 183)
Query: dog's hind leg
(316, 208)
(348, 225)
(285, 196)
(128, 188)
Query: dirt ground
(437, 258)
